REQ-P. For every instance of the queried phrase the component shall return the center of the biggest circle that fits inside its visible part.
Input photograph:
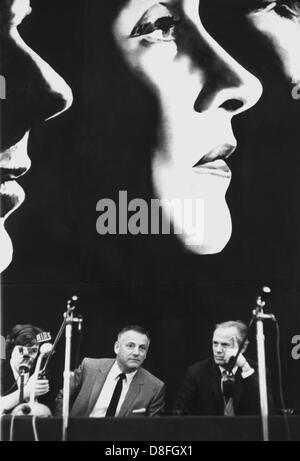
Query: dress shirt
(228, 403)
(244, 375)
(107, 391)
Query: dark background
(92, 152)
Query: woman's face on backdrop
(200, 88)
(31, 91)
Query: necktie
(228, 382)
(113, 405)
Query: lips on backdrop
(79, 158)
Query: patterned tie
(113, 405)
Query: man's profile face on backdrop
(31, 92)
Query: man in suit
(117, 387)
(208, 390)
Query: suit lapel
(98, 384)
(215, 377)
(133, 392)
(238, 391)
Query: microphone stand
(69, 319)
(23, 369)
(22, 408)
(22, 379)
(259, 317)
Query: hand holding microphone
(40, 386)
(231, 353)
(36, 386)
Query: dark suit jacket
(201, 392)
(145, 392)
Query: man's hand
(232, 351)
(41, 387)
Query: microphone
(229, 366)
(25, 365)
(262, 299)
(71, 305)
(46, 348)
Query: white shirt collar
(116, 371)
(222, 369)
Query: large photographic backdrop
(103, 145)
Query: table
(171, 429)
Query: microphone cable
(12, 427)
(34, 428)
(79, 344)
(280, 381)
